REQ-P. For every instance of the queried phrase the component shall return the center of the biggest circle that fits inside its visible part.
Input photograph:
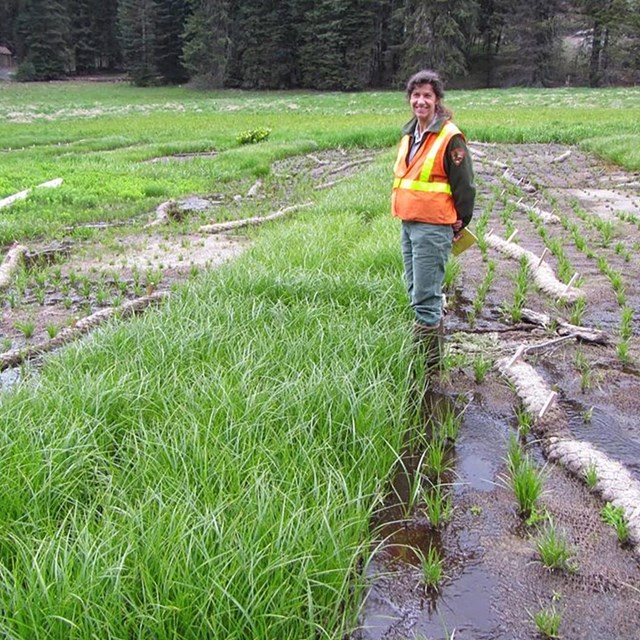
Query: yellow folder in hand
(464, 241)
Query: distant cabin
(6, 58)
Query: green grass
(548, 622)
(209, 470)
(431, 565)
(591, 476)
(97, 138)
(614, 517)
(525, 480)
(438, 505)
(522, 284)
(554, 550)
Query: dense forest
(326, 44)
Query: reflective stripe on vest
(402, 153)
(418, 185)
(424, 182)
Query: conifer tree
(83, 48)
(614, 41)
(9, 11)
(207, 42)
(264, 48)
(337, 40)
(490, 31)
(537, 46)
(388, 32)
(169, 29)
(437, 35)
(137, 26)
(327, 44)
(104, 35)
(43, 26)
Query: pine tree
(169, 28)
(137, 22)
(8, 15)
(614, 27)
(81, 37)
(206, 42)
(44, 29)
(104, 25)
(338, 38)
(265, 44)
(490, 31)
(437, 36)
(388, 30)
(536, 44)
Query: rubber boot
(429, 343)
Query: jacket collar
(435, 126)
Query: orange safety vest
(421, 190)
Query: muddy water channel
(493, 582)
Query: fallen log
(220, 227)
(22, 195)
(15, 357)
(476, 152)
(565, 328)
(545, 216)
(48, 254)
(613, 481)
(331, 183)
(523, 183)
(253, 191)
(349, 165)
(10, 264)
(561, 158)
(163, 213)
(540, 270)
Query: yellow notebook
(465, 240)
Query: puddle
(610, 429)
(605, 202)
(398, 605)
(9, 378)
(478, 462)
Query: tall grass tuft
(554, 550)
(525, 480)
(209, 470)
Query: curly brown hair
(427, 76)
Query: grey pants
(425, 251)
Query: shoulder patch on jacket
(457, 155)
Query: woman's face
(423, 103)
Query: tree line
(327, 44)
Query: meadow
(210, 470)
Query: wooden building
(6, 58)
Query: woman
(433, 195)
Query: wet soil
(493, 580)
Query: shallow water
(610, 429)
(397, 605)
